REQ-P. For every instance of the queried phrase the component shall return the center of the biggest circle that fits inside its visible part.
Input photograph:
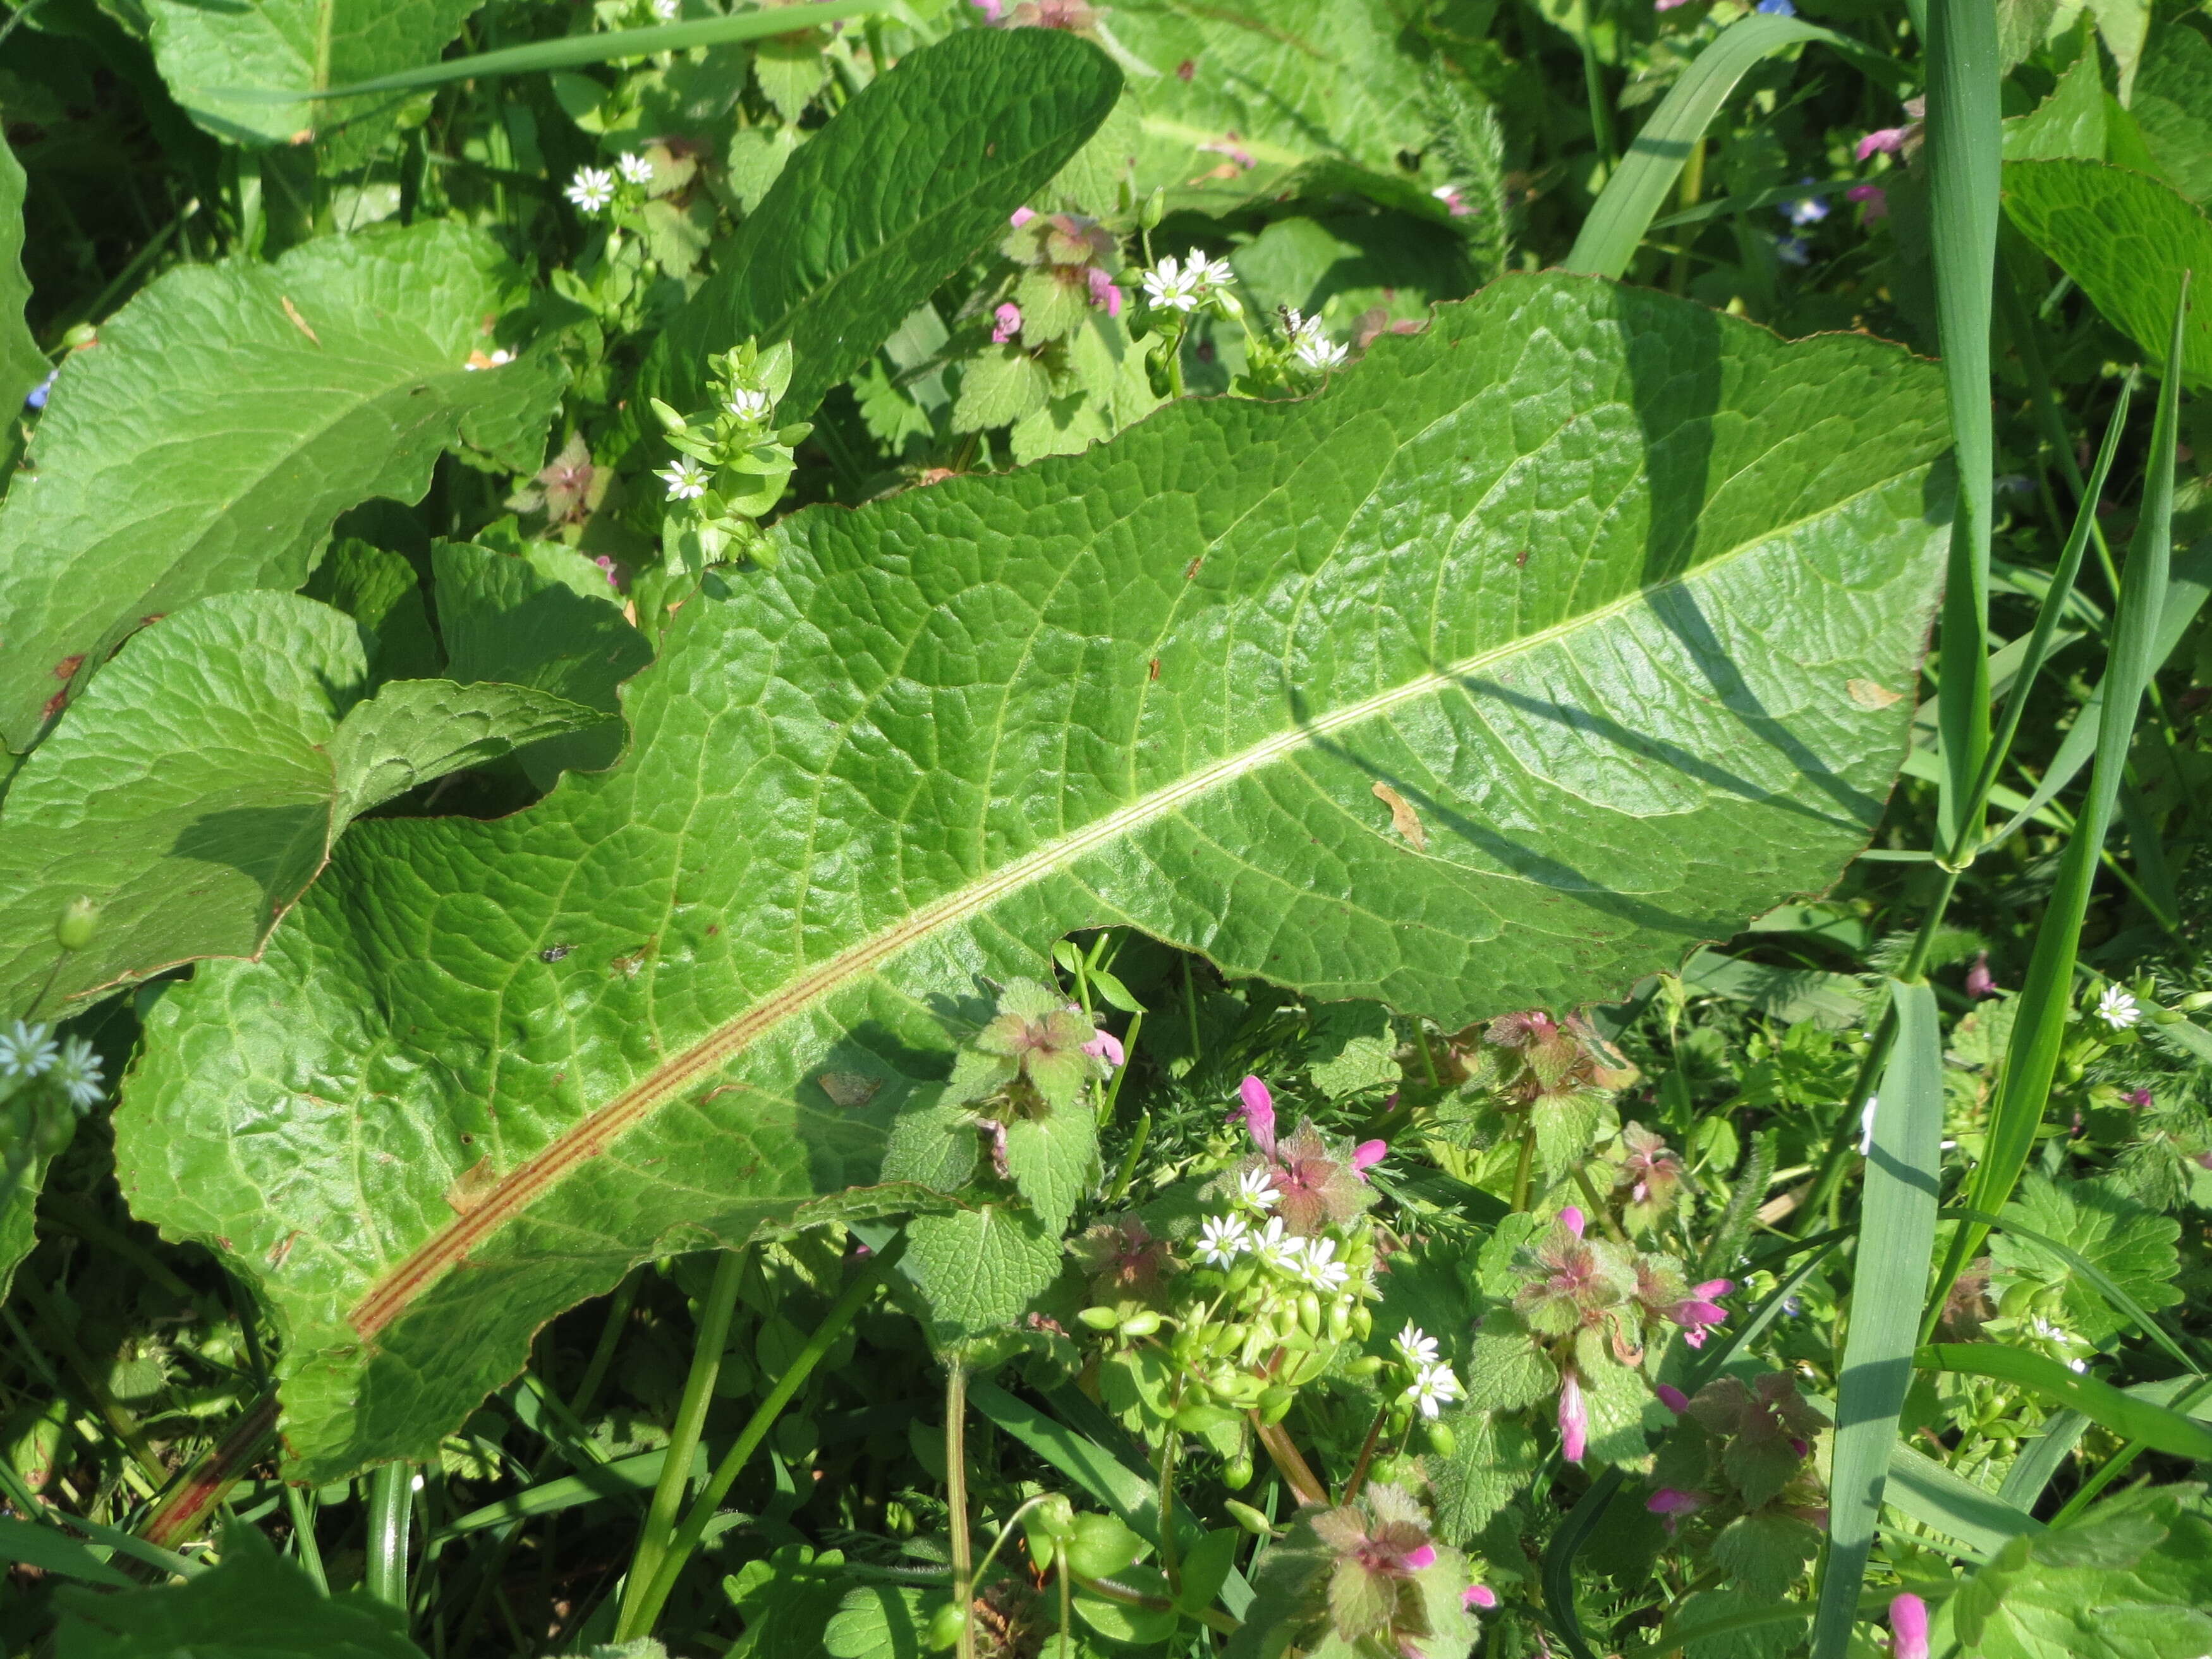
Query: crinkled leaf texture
(195, 789)
(874, 214)
(227, 418)
(210, 54)
(1587, 574)
(22, 365)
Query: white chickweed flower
(686, 480)
(1281, 1252)
(1417, 1347)
(635, 170)
(78, 1073)
(1316, 1265)
(1255, 1190)
(2117, 1009)
(668, 10)
(1210, 273)
(1222, 1239)
(593, 189)
(749, 405)
(1311, 346)
(25, 1050)
(1171, 286)
(1433, 1387)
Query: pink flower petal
(1005, 323)
(1673, 1500)
(1672, 1398)
(1367, 1154)
(1259, 1114)
(1426, 1556)
(1019, 216)
(1574, 1420)
(1106, 1046)
(1103, 293)
(1714, 1287)
(1479, 1595)
(1571, 1219)
(1885, 141)
(1908, 1627)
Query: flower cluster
(1068, 262)
(1742, 1450)
(731, 464)
(1365, 1577)
(1188, 285)
(28, 1052)
(597, 190)
(1434, 1384)
(1310, 345)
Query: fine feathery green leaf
(161, 477)
(210, 54)
(1525, 565)
(2038, 1029)
(2159, 1427)
(875, 212)
(255, 1603)
(1897, 1240)
(2125, 239)
(1633, 195)
(22, 365)
(194, 791)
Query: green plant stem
(603, 1351)
(2037, 1039)
(1525, 1164)
(1687, 194)
(1168, 1563)
(956, 1497)
(1598, 1208)
(1109, 1589)
(1600, 104)
(1128, 1052)
(391, 1508)
(1189, 989)
(1128, 1169)
(841, 1314)
(1289, 1462)
(1357, 1478)
(118, 1416)
(662, 1517)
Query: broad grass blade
(1897, 1239)
(2159, 1427)
(2046, 997)
(1922, 1488)
(1632, 197)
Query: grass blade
(1922, 1488)
(1965, 158)
(1897, 1239)
(2159, 1427)
(2046, 997)
(28, 1543)
(1633, 195)
(576, 51)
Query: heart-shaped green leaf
(1622, 599)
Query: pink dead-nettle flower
(1885, 141)
(1673, 1500)
(1574, 1418)
(1672, 1398)
(1571, 1219)
(1103, 293)
(1366, 1155)
(1106, 1046)
(1980, 982)
(1698, 1312)
(1479, 1595)
(1876, 200)
(1259, 1114)
(992, 9)
(1423, 1555)
(1021, 216)
(1908, 1628)
(1005, 323)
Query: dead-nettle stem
(1526, 1165)
(1169, 1564)
(1297, 1473)
(1358, 1476)
(956, 1495)
(1598, 1206)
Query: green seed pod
(1275, 1405)
(1100, 1319)
(1309, 1313)
(1222, 1339)
(945, 1626)
(1340, 1322)
(1441, 1441)
(1245, 1516)
(667, 417)
(1155, 210)
(79, 920)
(1143, 1323)
(1362, 1322)
(1366, 1365)
(1238, 1472)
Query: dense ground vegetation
(1361, 827)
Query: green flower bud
(1366, 1365)
(945, 1626)
(1340, 1322)
(1441, 1441)
(79, 920)
(1156, 208)
(1362, 1322)
(1245, 1516)
(1238, 1472)
(1100, 1319)
(667, 417)
(1309, 1313)
(1143, 1323)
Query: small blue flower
(1778, 8)
(1806, 209)
(37, 397)
(1793, 251)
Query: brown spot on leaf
(298, 321)
(1402, 817)
(849, 1088)
(1867, 694)
(67, 668)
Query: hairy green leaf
(208, 54)
(2172, 108)
(22, 365)
(162, 475)
(1528, 565)
(2077, 1596)
(2126, 238)
(2130, 1245)
(254, 1605)
(195, 789)
(875, 211)
(980, 1268)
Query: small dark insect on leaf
(1155, 668)
(554, 952)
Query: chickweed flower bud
(79, 920)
